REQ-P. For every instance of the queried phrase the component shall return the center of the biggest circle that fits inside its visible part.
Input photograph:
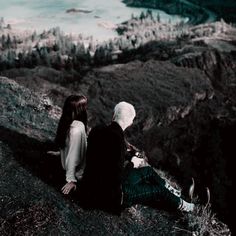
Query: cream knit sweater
(73, 155)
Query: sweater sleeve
(76, 152)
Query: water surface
(45, 14)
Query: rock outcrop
(27, 113)
(160, 91)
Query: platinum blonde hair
(124, 111)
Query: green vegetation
(54, 49)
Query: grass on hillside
(203, 222)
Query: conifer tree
(8, 41)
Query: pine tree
(149, 14)
(14, 42)
(10, 59)
(1, 23)
(68, 64)
(45, 56)
(91, 46)
(73, 50)
(88, 57)
(34, 36)
(100, 55)
(57, 62)
(142, 16)
(158, 17)
(35, 58)
(3, 64)
(3, 39)
(9, 26)
(20, 59)
(8, 41)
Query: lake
(98, 21)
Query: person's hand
(137, 161)
(131, 148)
(68, 187)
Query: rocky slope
(185, 118)
(30, 200)
(184, 94)
(200, 144)
(160, 99)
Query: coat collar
(114, 125)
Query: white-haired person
(108, 184)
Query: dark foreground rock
(160, 91)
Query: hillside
(182, 81)
(171, 96)
(30, 200)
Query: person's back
(105, 184)
(101, 182)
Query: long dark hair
(75, 108)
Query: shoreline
(183, 8)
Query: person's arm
(135, 156)
(75, 156)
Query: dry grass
(202, 222)
(29, 220)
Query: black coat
(101, 183)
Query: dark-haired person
(107, 184)
(71, 139)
